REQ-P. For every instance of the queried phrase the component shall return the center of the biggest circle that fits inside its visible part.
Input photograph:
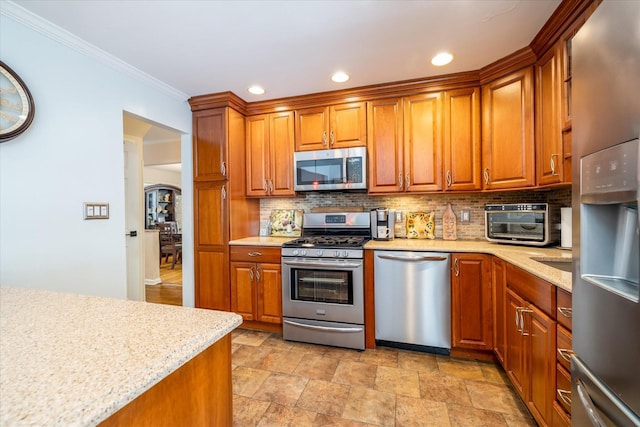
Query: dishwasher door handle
(413, 258)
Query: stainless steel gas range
(323, 280)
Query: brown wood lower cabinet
(471, 301)
(530, 359)
(256, 286)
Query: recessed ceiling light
(443, 58)
(256, 90)
(340, 77)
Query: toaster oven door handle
(322, 264)
(323, 328)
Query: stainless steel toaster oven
(529, 224)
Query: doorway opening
(159, 211)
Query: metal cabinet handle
(456, 267)
(565, 396)
(565, 353)
(324, 138)
(332, 138)
(565, 311)
(517, 319)
(400, 180)
(255, 253)
(257, 274)
(223, 193)
(270, 186)
(524, 310)
(486, 176)
(407, 182)
(251, 273)
(449, 179)
(223, 168)
(264, 186)
(589, 406)
(553, 165)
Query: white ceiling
(292, 47)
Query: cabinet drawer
(564, 308)
(564, 348)
(563, 388)
(560, 417)
(533, 289)
(255, 254)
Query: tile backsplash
(474, 202)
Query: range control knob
(295, 252)
(336, 254)
(303, 252)
(345, 254)
(320, 252)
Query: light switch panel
(96, 210)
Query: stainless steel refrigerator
(605, 369)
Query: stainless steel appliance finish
(606, 308)
(530, 224)
(413, 300)
(338, 169)
(383, 223)
(323, 280)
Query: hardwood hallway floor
(170, 290)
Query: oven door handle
(323, 328)
(322, 264)
(413, 258)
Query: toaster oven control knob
(320, 252)
(295, 252)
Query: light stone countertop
(74, 360)
(519, 256)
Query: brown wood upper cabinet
(405, 144)
(210, 144)
(508, 151)
(471, 308)
(269, 146)
(549, 144)
(462, 141)
(335, 126)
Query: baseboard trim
(152, 281)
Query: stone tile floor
(283, 383)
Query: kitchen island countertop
(68, 359)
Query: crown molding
(62, 36)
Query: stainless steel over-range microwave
(338, 169)
(531, 224)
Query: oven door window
(317, 172)
(326, 286)
(510, 225)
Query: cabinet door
(257, 146)
(515, 356)
(462, 143)
(384, 143)
(210, 144)
(499, 280)
(312, 126)
(423, 143)
(508, 151)
(348, 125)
(243, 289)
(540, 331)
(211, 234)
(269, 289)
(281, 154)
(549, 155)
(471, 301)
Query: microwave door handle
(344, 169)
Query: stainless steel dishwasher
(413, 300)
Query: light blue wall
(71, 154)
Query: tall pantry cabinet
(219, 182)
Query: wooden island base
(197, 394)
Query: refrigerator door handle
(588, 405)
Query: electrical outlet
(465, 215)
